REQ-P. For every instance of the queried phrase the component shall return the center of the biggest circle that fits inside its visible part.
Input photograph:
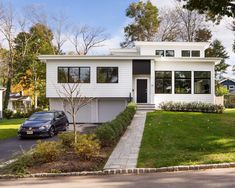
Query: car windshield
(41, 117)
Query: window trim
(107, 82)
(163, 80)
(68, 67)
(182, 78)
(202, 79)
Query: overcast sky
(110, 14)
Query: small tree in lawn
(73, 101)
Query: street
(208, 178)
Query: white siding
(184, 66)
(121, 89)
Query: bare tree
(86, 37)
(60, 27)
(169, 25)
(73, 101)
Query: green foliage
(191, 107)
(109, 133)
(20, 166)
(203, 35)
(67, 139)
(221, 90)
(215, 10)
(216, 49)
(47, 151)
(7, 113)
(144, 25)
(87, 146)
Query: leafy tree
(30, 72)
(145, 23)
(203, 35)
(216, 49)
(214, 9)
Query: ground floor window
(202, 82)
(107, 74)
(163, 82)
(183, 82)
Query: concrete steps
(146, 107)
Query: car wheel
(51, 131)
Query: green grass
(9, 127)
(185, 138)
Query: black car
(44, 124)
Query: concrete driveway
(197, 179)
(10, 148)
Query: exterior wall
(97, 111)
(93, 89)
(150, 50)
(184, 66)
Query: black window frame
(163, 79)
(201, 78)
(68, 74)
(161, 51)
(168, 55)
(178, 79)
(185, 51)
(195, 51)
(104, 67)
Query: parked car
(44, 124)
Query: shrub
(47, 151)
(7, 113)
(18, 115)
(106, 135)
(221, 90)
(110, 132)
(67, 139)
(192, 107)
(20, 166)
(87, 146)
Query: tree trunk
(35, 100)
(7, 94)
(74, 128)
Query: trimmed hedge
(192, 107)
(109, 133)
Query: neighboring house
(2, 89)
(19, 103)
(149, 73)
(229, 84)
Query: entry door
(142, 90)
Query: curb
(125, 171)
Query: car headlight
(44, 127)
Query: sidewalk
(126, 152)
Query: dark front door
(141, 90)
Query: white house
(149, 73)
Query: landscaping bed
(187, 138)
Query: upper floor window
(185, 53)
(182, 82)
(195, 53)
(107, 74)
(202, 82)
(170, 53)
(73, 74)
(163, 82)
(160, 53)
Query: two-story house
(149, 73)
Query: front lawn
(185, 138)
(9, 127)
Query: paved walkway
(126, 152)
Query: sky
(110, 15)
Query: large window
(107, 74)
(73, 74)
(163, 82)
(202, 82)
(182, 82)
